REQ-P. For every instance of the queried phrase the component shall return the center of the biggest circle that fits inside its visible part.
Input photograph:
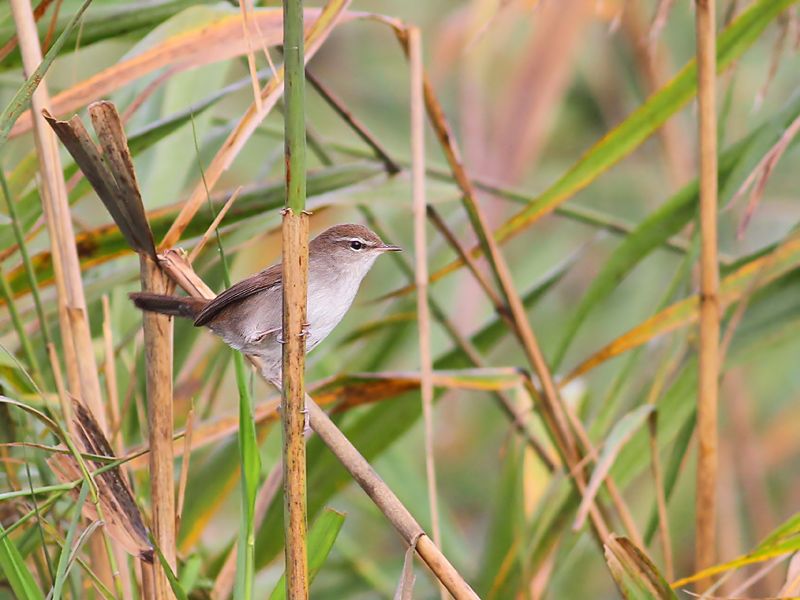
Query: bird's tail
(177, 306)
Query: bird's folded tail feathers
(177, 306)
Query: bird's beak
(387, 248)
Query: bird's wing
(266, 279)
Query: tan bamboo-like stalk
(77, 348)
(421, 270)
(295, 291)
(708, 377)
(158, 361)
(110, 371)
(186, 456)
(295, 261)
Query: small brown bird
(248, 315)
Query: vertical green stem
(295, 288)
(26, 259)
(294, 99)
(27, 349)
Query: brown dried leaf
(120, 513)
(112, 178)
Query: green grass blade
(19, 237)
(250, 469)
(503, 536)
(19, 103)
(17, 573)
(177, 589)
(19, 326)
(61, 569)
(249, 457)
(321, 537)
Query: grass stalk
(110, 370)
(19, 326)
(421, 272)
(708, 377)
(661, 499)
(295, 289)
(26, 259)
(158, 361)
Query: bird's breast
(328, 302)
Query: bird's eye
(356, 245)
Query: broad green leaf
(640, 125)
(16, 571)
(321, 537)
(672, 216)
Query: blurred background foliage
(529, 86)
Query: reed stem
(295, 289)
(708, 384)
